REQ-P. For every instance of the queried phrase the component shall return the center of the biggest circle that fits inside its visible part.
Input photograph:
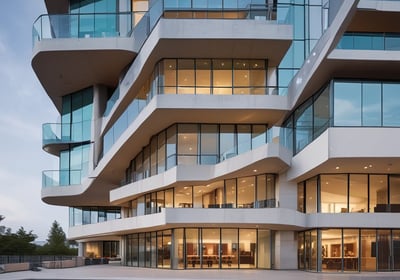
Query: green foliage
(56, 243)
(19, 243)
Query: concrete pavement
(115, 272)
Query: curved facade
(250, 134)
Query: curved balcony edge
(271, 218)
(269, 158)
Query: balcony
(61, 178)
(57, 136)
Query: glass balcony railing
(139, 103)
(59, 178)
(60, 133)
(370, 41)
(94, 25)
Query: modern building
(225, 134)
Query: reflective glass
(391, 104)
(371, 104)
(244, 138)
(246, 192)
(209, 144)
(186, 77)
(321, 113)
(222, 76)
(227, 142)
(303, 126)
(347, 104)
(192, 248)
(394, 199)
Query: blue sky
(24, 107)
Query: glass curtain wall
(196, 248)
(245, 192)
(344, 193)
(191, 144)
(76, 120)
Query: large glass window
(347, 104)
(303, 126)
(245, 192)
(209, 144)
(331, 249)
(229, 248)
(371, 104)
(247, 248)
(378, 192)
(227, 142)
(368, 250)
(187, 144)
(311, 195)
(358, 193)
(391, 104)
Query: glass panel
(300, 251)
(334, 193)
(396, 249)
(350, 249)
(135, 249)
(264, 249)
(230, 190)
(171, 147)
(169, 198)
(183, 197)
(244, 138)
(258, 136)
(347, 104)
(142, 249)
(241, 74)
(303, 125)
(166, 244)
(322, 112)
(161, 153)
(247, 248)
(141, 206)
(229, 248)
(245, 192)
(358, 193)
(311, 195)
(203, 75)
(331, 250)
(209, 144)
(261, 192)
(300, 197)
(192, 248)
(222, 76)
(227, 142)
(383, 250)
(153, 158)
(178, 260)
(213, 195)
(394, 199)
(372, 104)
(210, 248)
(187, 144)
(147, 249)
(186, 76)
(153, 250)
(368, 250)
(168, 77)
(160, 251)
(391, 104)
(378, 193)
(314, 250)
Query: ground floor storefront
(349, 250)
(198, 248)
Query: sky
(24, 107)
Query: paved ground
(114, 272)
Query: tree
(56, 242)
(19, 243)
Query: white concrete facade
(275, 222)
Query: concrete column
(285, 250)
(286, 192)
(122, 249)
(100, 94)
(80, 249)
